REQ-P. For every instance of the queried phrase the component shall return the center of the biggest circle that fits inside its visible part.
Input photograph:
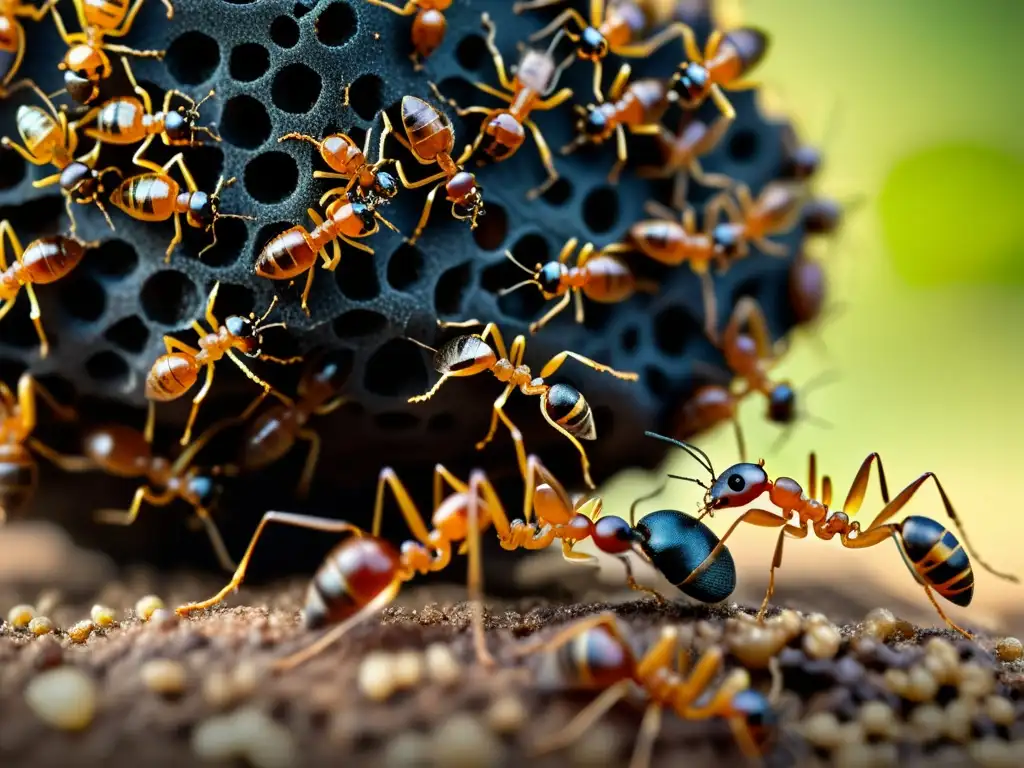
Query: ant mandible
(12, 35)
(561, 405)
(86, 63)
(727, 57)
(176, 372)
(936, 558)
(596, 274)
(528, 91)
(428, 28)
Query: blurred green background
(929, 270)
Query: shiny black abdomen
(677, 543)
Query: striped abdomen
(936, 558)
(18, 475)
(663, 241)
(40, 132)
(105, 14)
(746, 46)
(595, 660)
(269, 437)
(429, 130)
(120, 121)
(50, 258)
(147, 197)
(354, 573)
(608, 280)
(567, 407)
(286, 255)
(171, 376)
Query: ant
(44, 261)
(611, 29)
(19, 473)
(126, 120)
(364, 573)
(600, 276)
(727, 57)
(594, 654)
(49, 138)
(156, 196)
(428, 28)
(775, 211)
(12, 34)
(637, 106)
(528, 91)
(176, 372)
(807, 289)
(86, 63)
(430, 138)
(561, 405)
(938, 561)
(122, 451)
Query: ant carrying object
(727, 57)
(19, 473)
(529, 90)
(594, 654)
(12, 35)
(49, 138)
(176, 372)
(86, 62)
(430, 139)
(156, 196)
(44, 261)
(561, 405)
(598, 275)
(122, 451)
(428, 28)
(611, 29)
(638, 106)
(364, 573)
(936, 558)
(126, 120)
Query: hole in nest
(405, 267)
(655, 381)
(441, 423)
(168, 297)
(296, 88)
(397, 368)
(743, 146)
(130, 334)
(301, 9)
(249, 61)
(192, 58)
(271, 177)
(108, 367)
(240, 2)
(450, 289)
(366, 96)
(82, 297)
(558, 193)
(630, 339)
(113, 258)
(231, 236)
(336, 24)
(11, 370)
(601, 209)
(206, 162)
(673, 328)
(245, 122)
(284, 31)
(12, 168)
(236, 300)
(17, 330)
(359, 322)
(492, 229)
(357, 276)
(471, 52)
(396, 421)
(63, 391)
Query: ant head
(782, 403)
(464, 195)
(803, 162)
(592, 44)
(738, 485)
(204, 491)
(385, 186)
(250, 329)
(464, 356)
(594, 123)
(364, 210)
(180, 125)
(204, 209)
(690, 83)
(550, 278)
(81, 182)
(505, 135)
(822, 216)
(726, 238)
(84, 66)
(81, 89)
(756, 714)
(806, 288)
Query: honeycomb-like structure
(280, 66)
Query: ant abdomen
(18, 478)
(464, 356)
(50, 258)
(171, 376)
(678, 544)
(270, 436)
(287, 255)
(117, 450)
(937, 559)
(567, 407)
(355, 572)
(597, 660)
(750, 45)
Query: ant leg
(306, 478)
(35, 315)
(406, 10)
(142, 93)
(551, 313)
(546, 160)
(569, 14)
(475, 579)
(25, 154)
(302, 137)
(388, 479)
(747, 314)
(138, 159)
(554, 101)
(179, 159)
(127, 517)
(63, 461)
(777, 562)
(636, 586)
(331, 406)
(578, 296)
(707, 287)
(6, 228)
(742, 85)
(650, 727)
(598, 76)
(759, 517)
(949, 622)
(770, 248)
(58, 22)
(584, 459)
(567, 250)
(113, 48)
(431, 392)
(499, 403)
(174, 240)
(196, 402)
(659, 211)
(425, 216)
(310, 273)
(642, 50)
(556, 362)
(260, 382)
(718, 180)
(29, 389)
(517, 440)
(826, 491)
(327, 525)
(172, 345)
(859, 487)
(722, 102)
(621, 154)
(36, 14)
(584, 720)
(216, 540)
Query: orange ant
(611, 29)
(122, 451)
(637, 106)
(727, 57)
(49, 138)
(528, 91)
(86, 63)
(44, 261)
(127, 120)
(430, 138)
(598, 275)
(176, 372)
(775, 211)
(561, 405)
(12, 35)
(937, 560)
(594, 654)
(156, 196)
(428, 28)
(19, 473)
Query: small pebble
(146, 606)
(376, 681)
(222, 689)
(991, 752)
(102, 616)
(789, 621)
(959, 717)
(927, 722)
(507, 714)
(880, 624)
(1000, 710)
(598, 750)
(856, 755)
(64, 698)
(40, 625)
(878, 719)
(407, 750)
(20, 615)
(1009, 649)
(442, 667)
(164, 618)
(920, 685)
(80, 632)
(976, 681)
(247, 734)
(463, 742)
(822, 730)
(821, 641)
(755, 645)
(164, 676)
(406, 669)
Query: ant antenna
(420, 344)
(527, 270)
(222, 184)
(693, 450)
(265, 315)
(516, 287)
(692, 480)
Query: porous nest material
(280, 66)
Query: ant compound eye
(737, 483)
